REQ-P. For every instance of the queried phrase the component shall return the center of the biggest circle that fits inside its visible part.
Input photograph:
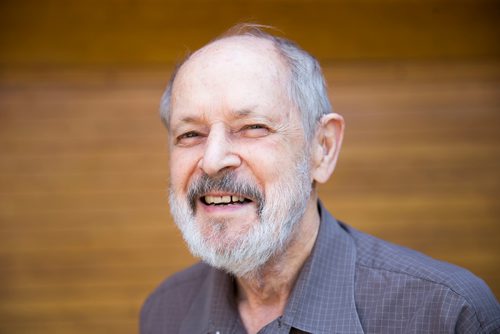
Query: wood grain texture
(55, 32)
(84, 227)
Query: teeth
(223, 199)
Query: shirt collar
(323, 297)
(214, 309)
(322, 300)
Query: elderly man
(251, 132)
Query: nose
(218, 154)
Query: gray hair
(306, 88)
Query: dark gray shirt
(351, 283)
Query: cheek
(267, 160)
(182, 166)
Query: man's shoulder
(184, 279)
(170, 301)
(181, 284)
(380, 255)
(386, 270)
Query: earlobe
(327, 144)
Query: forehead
(233, 73)
(244, 53)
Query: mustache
(228, 182)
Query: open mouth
(224, 200)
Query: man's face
(239, 167)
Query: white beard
(283, 208)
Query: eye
(188, 138)
(254, 126)
(255, 130)
(190, 134)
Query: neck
(262, 296)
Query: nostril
(213, 165)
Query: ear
(326, 146)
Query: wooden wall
(85, 232)
(158, 32)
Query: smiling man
(251, 131)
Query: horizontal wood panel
(145, 32)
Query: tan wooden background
(85, 232)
